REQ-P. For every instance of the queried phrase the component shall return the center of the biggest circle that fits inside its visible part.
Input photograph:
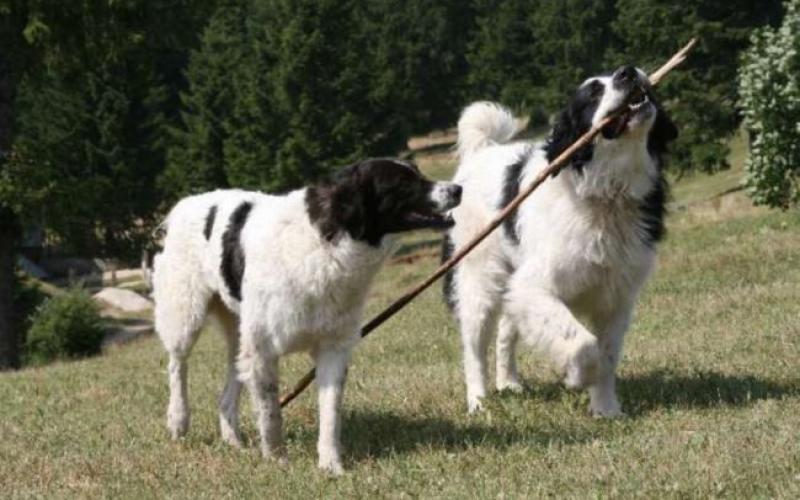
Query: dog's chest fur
(585, 233)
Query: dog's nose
(626, 74)
(455, 192)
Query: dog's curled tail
(482, 124)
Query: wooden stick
(551, 170)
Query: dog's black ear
(338, 205)
(566, 131)
(663, 132)
(561, 136)
(348, 207)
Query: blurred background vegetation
(110, 110)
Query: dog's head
(626, 91)
(380, 196)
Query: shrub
(769, 86)
(66, 326)
(27, 297)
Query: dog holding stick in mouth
(564, 273)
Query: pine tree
(196, 150)
(282, 92)
(701, 97)
(531, 54)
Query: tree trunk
(9, 234)
(9, 339)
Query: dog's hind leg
(476, 312)
(228, 325)
(258, 368)
(507, 336)
(179, 316)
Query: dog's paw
(607, 413)
(510, 384)
(229, 433)
(177, 424)
(331, 466)
(609, 408)
(474, 406)
(276, 454)
(583, 365)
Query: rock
(124, 300)
(126, 332)
(32, 269)
(122, 275)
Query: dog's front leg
(331, 375)
(547, 323)
(611, 330)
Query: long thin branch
(559, 163)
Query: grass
(709, 380)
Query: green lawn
(709, 379)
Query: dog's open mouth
(636, 102)
(429, 220)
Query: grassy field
(709, 379)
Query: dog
(283, 274)
(564, 271)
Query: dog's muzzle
(446, 195)
(636, 103)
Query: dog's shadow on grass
(642, 394)
(373, 435)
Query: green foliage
(93, 96)
(769, 86)
(530, 54)
(65, 326)
(195, 157)
(281, 92)
(26, 299)
(701, 96)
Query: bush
(65, 326)
(27, 297)
(769, 86)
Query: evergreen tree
(531, 54)
(196, 156)
(701, 96)
(283, 91)
(572, 37)
(504, 64)
(90, 112)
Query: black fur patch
(212, 214)
(232, 266)
(654, 206)
(371, 199)
(448, 286)
(653, 209)
(511, 180)
(572, 123)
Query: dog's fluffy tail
(482, 124)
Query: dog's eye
(596, 89)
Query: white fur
(299, 293)
(569, 287)
(483, 124)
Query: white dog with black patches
(566, 268)
(282, 274)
